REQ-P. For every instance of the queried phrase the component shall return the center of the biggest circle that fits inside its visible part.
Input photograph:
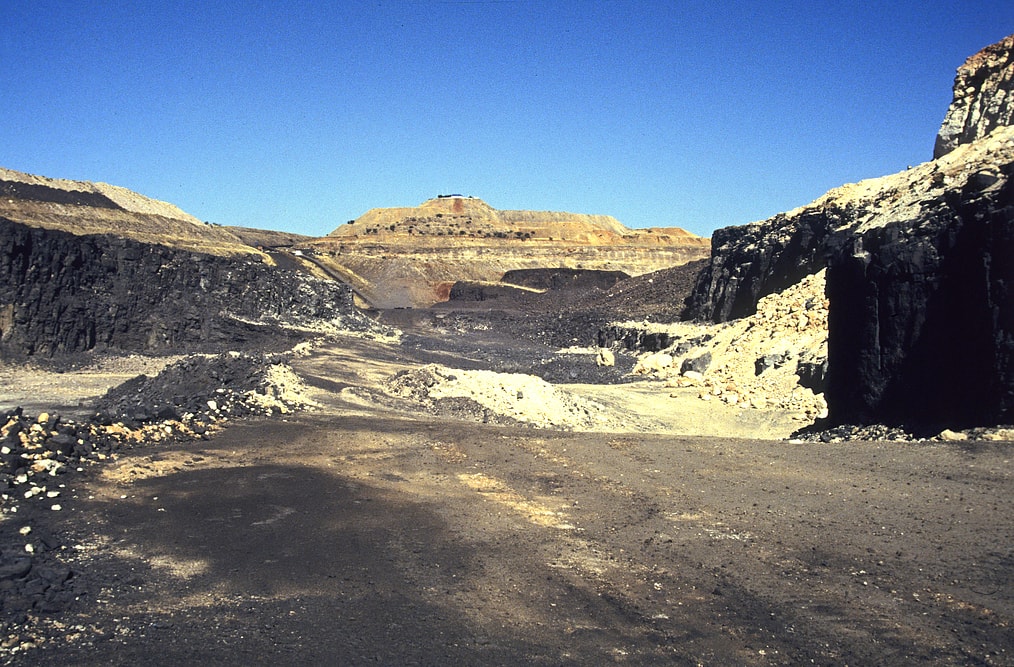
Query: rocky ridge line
(122, 197)
(751, 261)
(983, 97)
(83, 208)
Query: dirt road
(333, 539)
(361, 533)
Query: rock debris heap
(37, 456)
(506, 398)
(202, 390)
(775, 358)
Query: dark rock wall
(464, 290)
(64, 294)
(921, 322)
(563, 278)
(751, 261)
(634, 339)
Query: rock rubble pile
(775, 358)
(36, 455)
(516, 397)
(200, 390)
(186, 401)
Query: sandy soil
(71, 392)
(372, 530)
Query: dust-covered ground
(481, 499)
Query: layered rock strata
(398, 257)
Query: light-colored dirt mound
(469, 216)
(753, 362)
(524, 398)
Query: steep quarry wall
(921, 324)
(920, 272)
(983, 97)
(921, 320)
(750, 262)
(62, 293)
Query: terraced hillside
(411, 256)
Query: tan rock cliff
(398, 257)
(983, 97)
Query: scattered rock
(769, 361)
(952, 436)
(696, 365)
(658, 362)
(788, 329)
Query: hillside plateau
(83, 208)
(410, 257)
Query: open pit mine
(412, 257)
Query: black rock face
(750, 262)
(62, 294)
(920, 280)
(561, 278)
(921, 321)
(464, 290)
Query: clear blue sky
(301, 115)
